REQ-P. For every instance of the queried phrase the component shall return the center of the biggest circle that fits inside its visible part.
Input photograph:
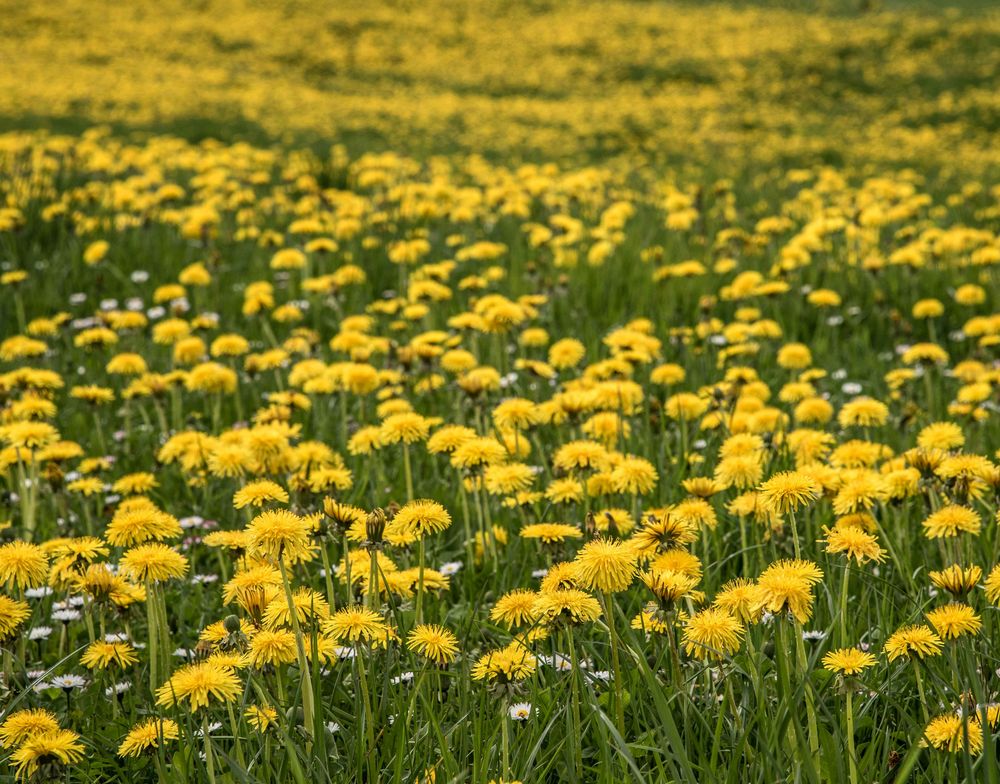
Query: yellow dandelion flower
(505, 665)
(950, 732)
(953, 620)
(433, 642)
(259, 493)
(949, 521)
(605, 565)
(848, 661)
(198, 684)
(910, 642)
(102, 654)
(270, 647)
(854, 543)
(422, 517)
(568, 605)
(153, 562)
(23, 565)
(280, 534)
(357, 624)
(261, 717)
(24, 724)
(789, 490)
(58, 746)
(786, 586)
(712, 633)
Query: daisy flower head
(520, 711)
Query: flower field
(499, 392)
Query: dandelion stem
(407, 471)
(307, 691)
(920, 691)
(616, 669)
(466, 523)
(795, 534)
(209, 760)
(328, 576)
(420, 580)
(843, 604)
(800, 648)
(577, 729)
(505, 738)
(369, 716)
(235, 727)
(852, 762)
(154, 642)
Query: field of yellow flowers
(499, 392)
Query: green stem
(154, 639)
(782, 656)
(505, 735)
(407, 471)
(795, 535)
(469, 556)
(920, 691)
(616, 670)
(328, 576)
(209, 760)
(577, 730)
(420, 580)
(852, 762)
(369, 716)
(800, 648)
(843, 604)
(346, 551)
(307, 692)
(234, 725)
(373, 601)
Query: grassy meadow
(499, 392)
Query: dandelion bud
(231, 624)
(375, 527)
(54, 475)
(404, 356)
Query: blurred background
(735, 83)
